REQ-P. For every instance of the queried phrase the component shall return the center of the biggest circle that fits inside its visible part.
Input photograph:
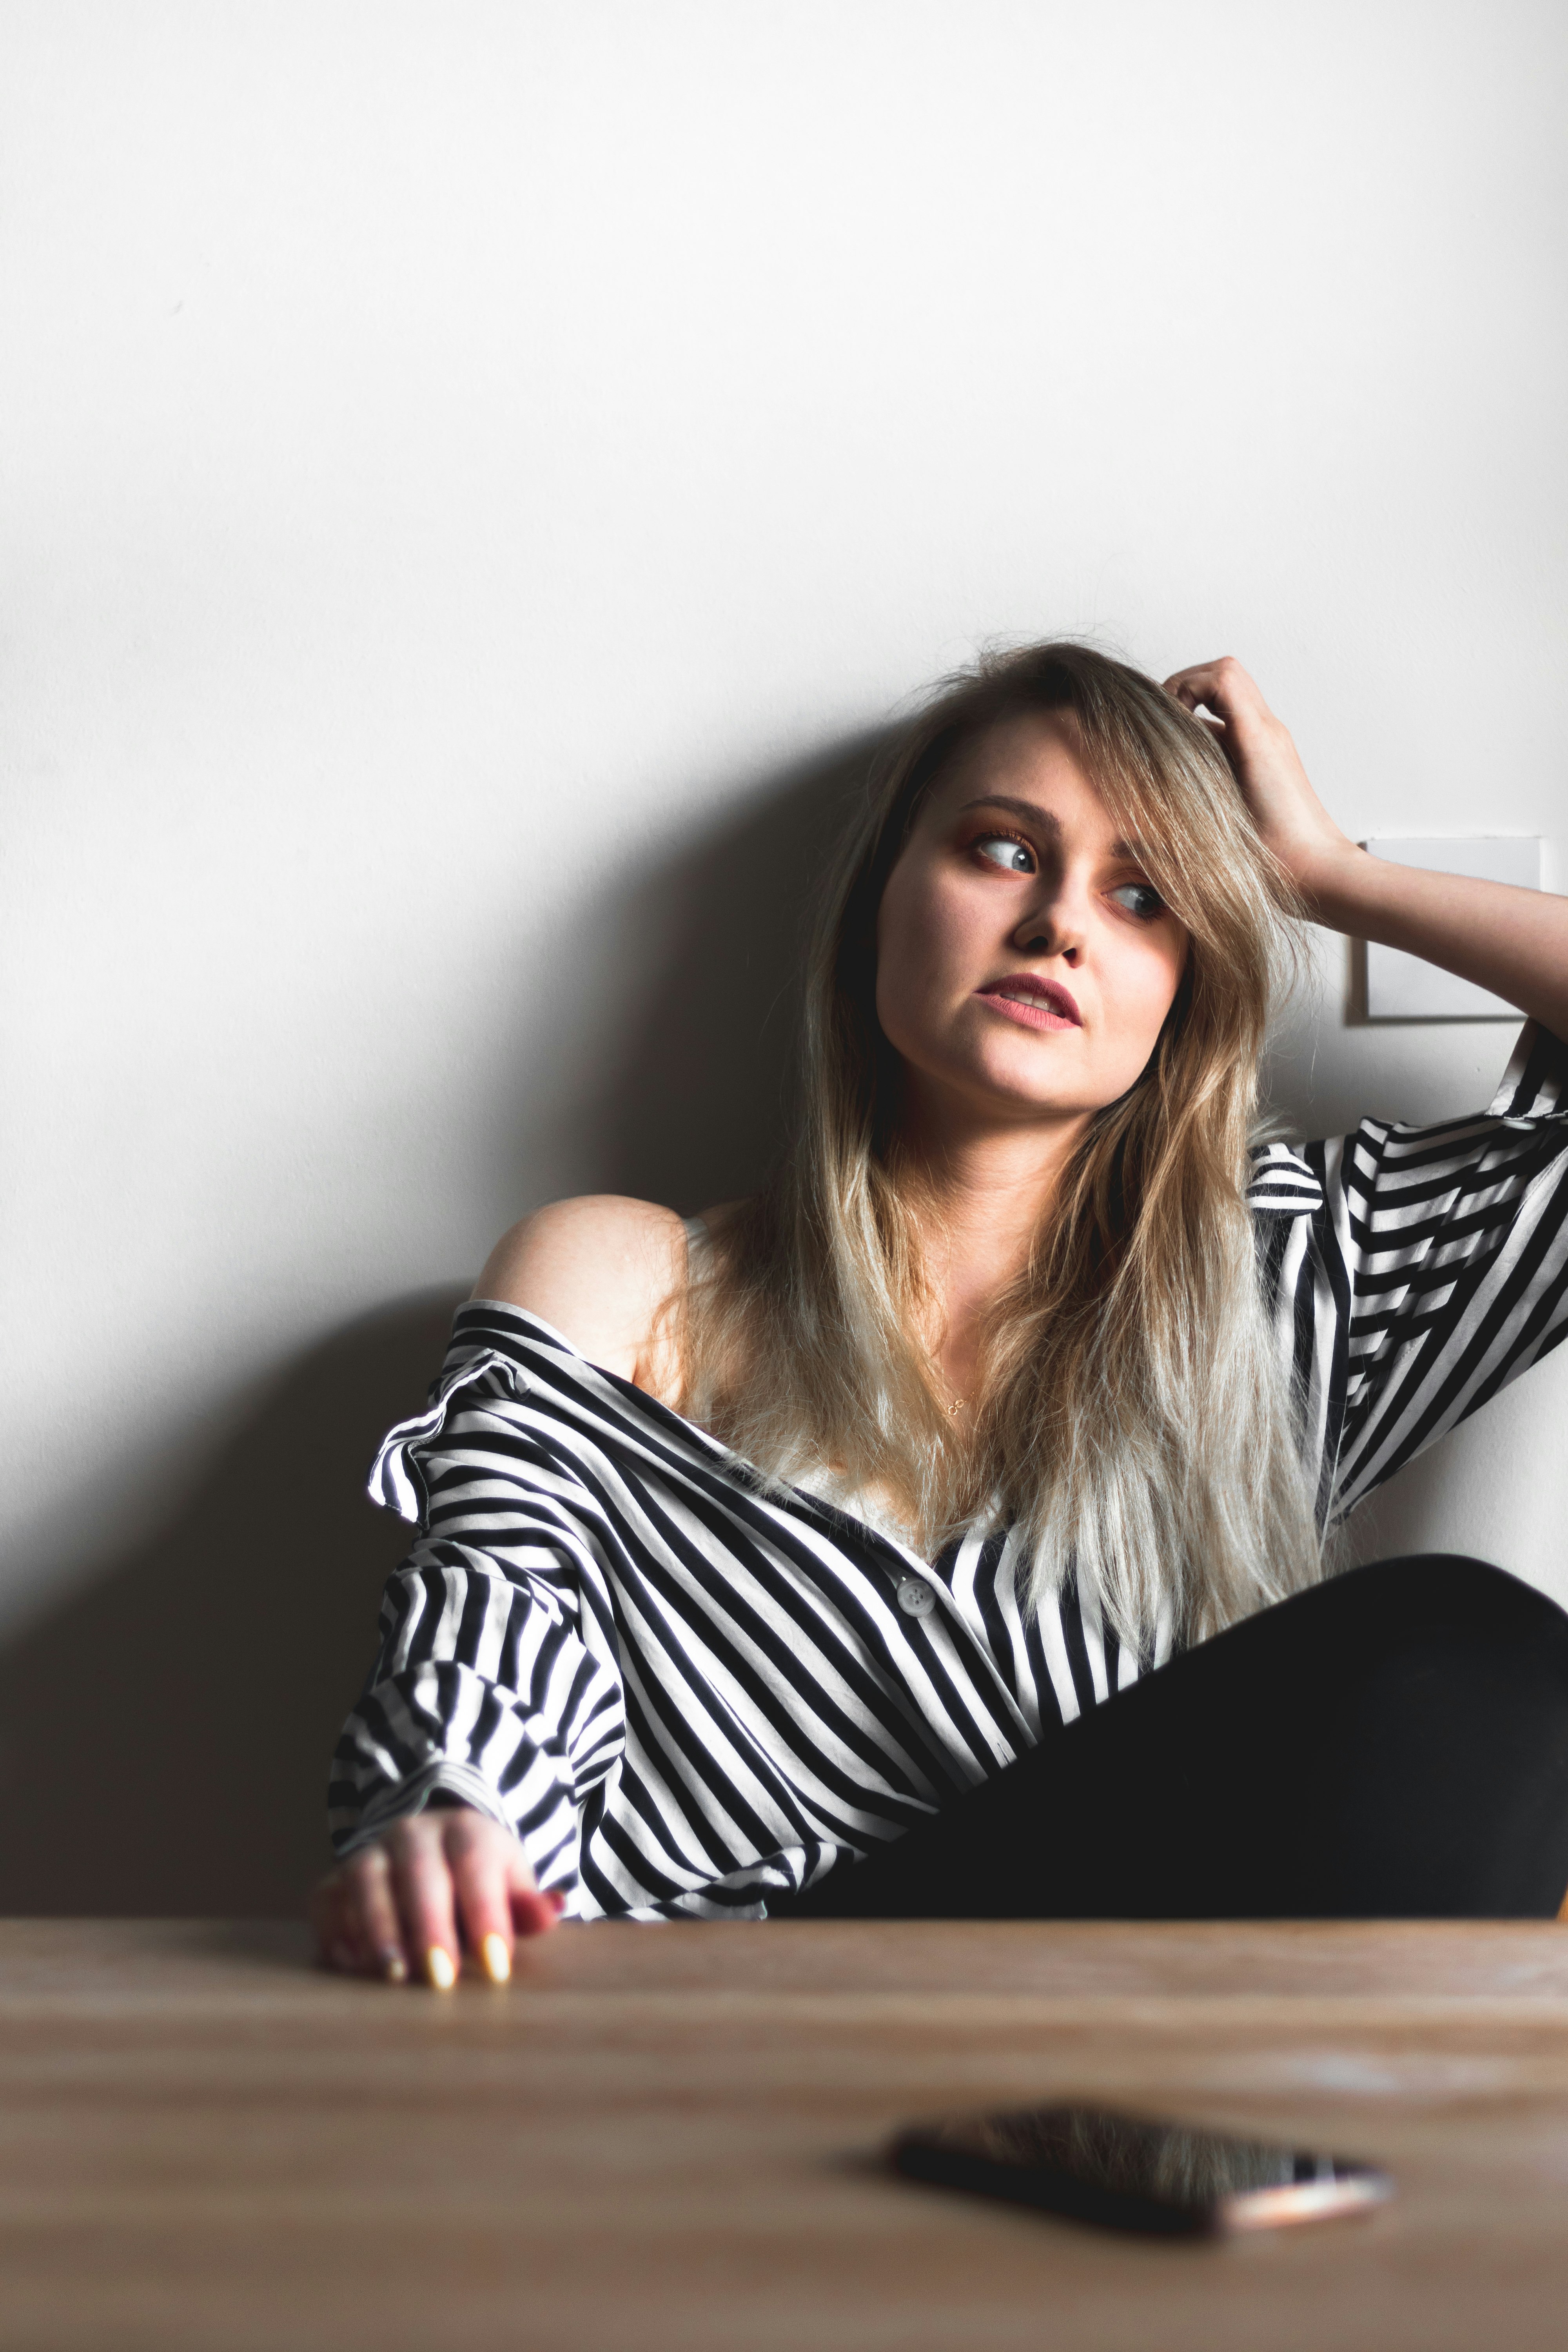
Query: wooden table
(669, 2138)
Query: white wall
(470, 469)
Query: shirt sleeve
(496, 1677)
(1448, 1245)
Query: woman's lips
(1037, 1003)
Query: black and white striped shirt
(681, 1693)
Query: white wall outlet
(1400, 987)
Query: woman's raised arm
(1514, 942)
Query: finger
(373, 1914)
(1226, 689)
(1205, 683)
(1205, 692)
(535, 1909)
(421, 1883)
(335, 1946)
(477, 1857)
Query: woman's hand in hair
(1512, 941)
(1291, 819)
(406, 1905)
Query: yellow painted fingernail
(439, 1969)
(394, 1968)
(496, 1958)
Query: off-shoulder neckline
(745, 1473)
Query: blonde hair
(1134, 1420)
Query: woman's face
(1025, 964)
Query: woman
(782, 1563)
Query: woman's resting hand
(406, 1903)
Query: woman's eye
(1140, 898)
(1003, 851)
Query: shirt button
(915, 1599)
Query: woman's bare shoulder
(598, 1268)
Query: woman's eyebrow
(1047, 819)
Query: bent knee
(1439, 1585)
(1472, 1623)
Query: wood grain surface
(661, 2137)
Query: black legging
(1391, 1744)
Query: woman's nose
(1051, 929)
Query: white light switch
(1400, 987)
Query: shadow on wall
(688, 1094)
(164, 1735)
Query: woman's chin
(1011, 1097)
